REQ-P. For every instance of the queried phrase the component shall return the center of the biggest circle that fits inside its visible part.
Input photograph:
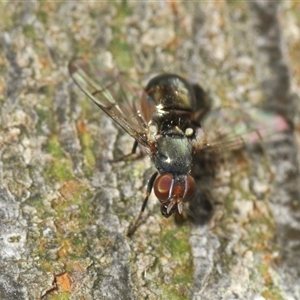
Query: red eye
(190, 188)
(162, 186)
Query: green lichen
(121, 52)
(53, 147)
(71, 214)
(42, 16)
(59, 170)
(175, 241)
(44, 117)
(175, 295)
(119, 46)
(29, 32)
(237, 4)
(271, 291)
(86, 141)
(14, 239)
(61, 296)
(60, 167)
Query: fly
(165, 118)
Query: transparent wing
(229, 129)
(116, 95)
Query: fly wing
(229, 129)
(115, 94)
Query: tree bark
(65, 208)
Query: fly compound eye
(190, 188)
(189, 132)
(162, 186)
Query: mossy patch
(174, 241)
(70, 214)
(119, 47)
(29, 31)
(61, 296)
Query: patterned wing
(229, 129)
(118, 96)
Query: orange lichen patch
(2, 86)
(266, 274)
(81, 126)
(44, 61)
(173, 43)
(268, 295)
(63, 282)
(182, 16)
(65, 250)
(62, 285)
(69, 189)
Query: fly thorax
(173, 155)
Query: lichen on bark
(65, 209)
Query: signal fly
(169, 119)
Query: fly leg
(129, 155)
(133, 228)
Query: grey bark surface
(65, 209)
